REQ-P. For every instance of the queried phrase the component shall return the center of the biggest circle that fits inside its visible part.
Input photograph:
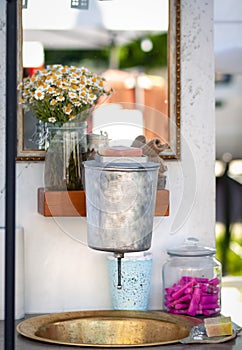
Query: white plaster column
(191, 180)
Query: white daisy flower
(39, 94)
(51, 120)
(72, 94)
(67, 110)
(53, 102)
(60, 98)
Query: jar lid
(191, 247)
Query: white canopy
(56, 25)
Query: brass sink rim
(30, 326)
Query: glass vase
(66, 150)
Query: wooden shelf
(73, 203)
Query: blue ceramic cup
(136, 270)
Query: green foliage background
(130, 55)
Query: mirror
(116, 42)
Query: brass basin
(108, 328)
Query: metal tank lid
(121, 164)
(191, 248)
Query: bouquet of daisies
(57, 94)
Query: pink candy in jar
(192, 280)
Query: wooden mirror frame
(174, 90)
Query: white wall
(63, 274)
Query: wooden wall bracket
(73, 203)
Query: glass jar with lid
(192, 280)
